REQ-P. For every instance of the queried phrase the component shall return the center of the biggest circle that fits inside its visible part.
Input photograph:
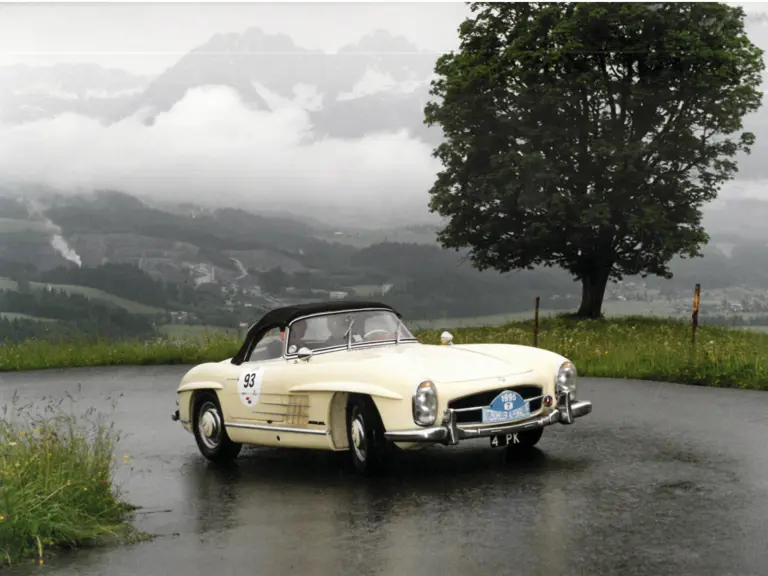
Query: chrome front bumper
(450, 433)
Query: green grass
(17, 316)
(193, 331)
(96, 294)
(92, 293)
(627, 347)
(36, 355)
(8, 284)
(752, 328)
(367, 290)
(611, 309)
(642, 348)
(13, 225)
(57, 488)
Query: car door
(257, 387)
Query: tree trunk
(592, 293)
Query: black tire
(527, 439)
(211, 435)
(370, 452)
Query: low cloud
(211, 146)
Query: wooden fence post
(536, 325)
(695, 315)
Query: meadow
(56, 483)
(619, 347)
(92, 293)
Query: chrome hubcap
(358, 437)
(209, 425)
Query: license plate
(508, 406)
(501, 440)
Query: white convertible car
(351, 376)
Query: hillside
(193, 265)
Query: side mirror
(304, 353)
(446, 338)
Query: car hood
(443, 364)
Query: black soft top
(281, 317)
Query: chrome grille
(469, 408)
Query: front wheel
(370, 451)
(211, 436)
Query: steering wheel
(374, 331)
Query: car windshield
(333, 329)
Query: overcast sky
(211, 146)
(149, 37)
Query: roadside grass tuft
(56, 483)
(621, 347)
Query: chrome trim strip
(284, 404)
(277, 429)
(273, 413)
(362, 346)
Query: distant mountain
(31, 93)
(740, 218)
(380, 83)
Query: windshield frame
(353, 345)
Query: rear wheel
(211, 436)
(370, 451)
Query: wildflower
(2, 517)
(85, 489)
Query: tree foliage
(588, 136)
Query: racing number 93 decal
(249, 385)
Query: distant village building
(336, 295)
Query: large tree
(588, 136)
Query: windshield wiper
(348, 334)
(397, 333)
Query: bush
(56, 483)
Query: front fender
(185, 393)
(201, 385)
(348, 387)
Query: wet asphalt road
(659, 479)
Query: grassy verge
(56, 484)
(629, 347)
(641, 347)
(35, 355)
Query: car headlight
(566, 380)
(425, 404)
